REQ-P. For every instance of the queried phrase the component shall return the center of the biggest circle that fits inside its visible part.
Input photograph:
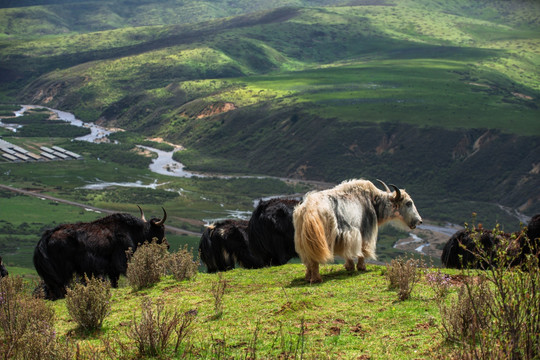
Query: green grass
(345, 317)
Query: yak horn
(162, 221)
(398, 193)
(142, 214)
(385, 186)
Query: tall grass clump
(26, 323)
(88, 302)
(403, 275)
(146, 265)
(498, 308)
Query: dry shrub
(146, 265)
(157, 327)
(403, 274)
(466, 316)
(88, 303)
(498, 316)
(181, 264)
(26, 323)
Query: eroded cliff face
(471, 144)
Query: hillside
(273, 313)
(440, 98)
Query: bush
(153, 333)
(497, 316)
(403, 275)
(181, 265)
(88, 303)
(466, 317)
(26, 323)
(146, 265)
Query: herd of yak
(341, 221)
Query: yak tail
(310, 237)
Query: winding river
(165, 165)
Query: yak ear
(398, 193)
(162, 221)
(142, 214)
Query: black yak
(345, 220)
(97, 248)
(271, 231)
(533, 235)
(478, 248)
(225, 243)
(462, 250)
(3, 271)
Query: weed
(290, 347)
(88, 303)
(403, 275)
(440, 283)
(218, 291)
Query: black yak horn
(385, 186)
(142, 214)
(398, 193)
(162, 221)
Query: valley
(277, 98)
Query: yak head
(154, 228)
(3, 271)
(403, 207)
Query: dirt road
(85, 206)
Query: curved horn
(398, 193)
(162, 221)
(142, 214)
(385, 186)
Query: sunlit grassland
(347, 316)
(433, 92)
(103, 69)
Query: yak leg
(349, 265)
(114, 277)
(361, 265)
(308, 274)
(312, 272)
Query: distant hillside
(47, 17)
(440, 97)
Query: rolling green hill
(439, 97)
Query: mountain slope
(402, 90)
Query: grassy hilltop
(438, 97)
